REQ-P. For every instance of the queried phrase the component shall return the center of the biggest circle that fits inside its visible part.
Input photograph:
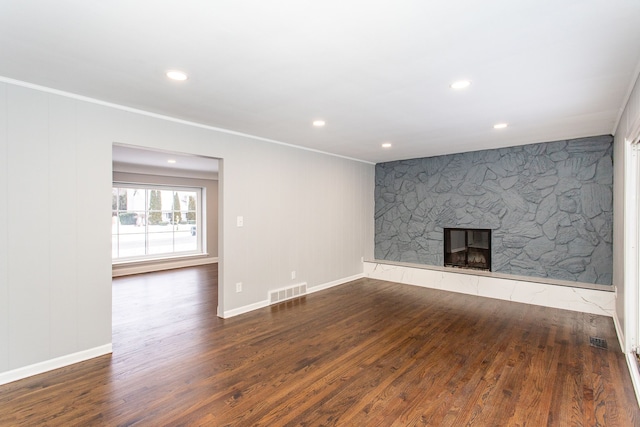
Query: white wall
(211, 195)
(626, 316)
(55, 290)
(303, 211)
(4, 234)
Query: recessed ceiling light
(171, 161)
(176, 75)
(500, 125)
(318, 123)
(386, 145)
(460, 84)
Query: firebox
(467, 248)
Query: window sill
(125, 268)
(143, 261)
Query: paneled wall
(55, 275)
(303, 211)
(4, 234)
(549, 207)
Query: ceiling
(375, 71)
(142, 160)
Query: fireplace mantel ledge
(543, 280)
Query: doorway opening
(165, 210)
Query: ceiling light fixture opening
(460, 84)
(319, 123)
(171, 161)
(176, 75)
(500, 125)
(386, 145)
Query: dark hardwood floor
(367, 353)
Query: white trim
(631, 267)
(630, 357)
(338, 282)
(625, 101)
(167, 118)
(634, 131)
(245, 309)
(150, 266)
(592, 301)
(310, 290)
(634, 373)
(619, 332)
(58, 362)
(629, 243)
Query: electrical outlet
(293, 274)
(239, 287)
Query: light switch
(240, 221)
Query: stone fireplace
(467, 248)
(549, 207)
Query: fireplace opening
(467, 248)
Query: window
(150, 222)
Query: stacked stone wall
(549, 206)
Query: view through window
(155, 222)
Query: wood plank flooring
(367, 353)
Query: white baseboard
(148, 267)
(634, 373)
(619, 333)
(50, 365)
(265, 303)
(632, 365)
(245, 309)
(338, 282)
(594, 301)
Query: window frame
(200, 212)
